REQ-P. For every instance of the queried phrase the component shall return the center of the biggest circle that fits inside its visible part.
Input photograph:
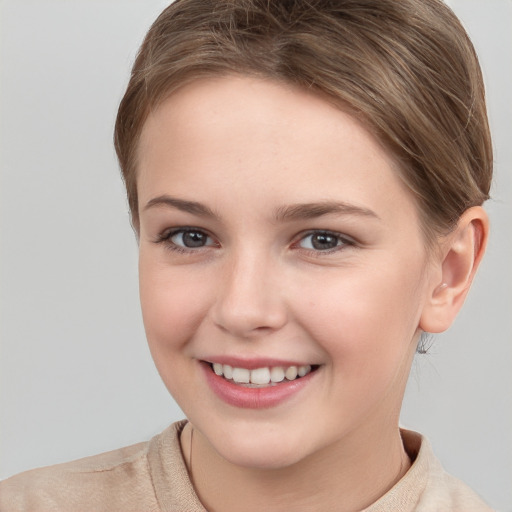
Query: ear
(454, 270)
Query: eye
(186, 239)
(323, 241)
(190, 239)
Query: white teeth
(304, 370)
(241, 375)
(277, 374)
(227, 371)
(291, 373)
(260, 376)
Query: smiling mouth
(261, 377)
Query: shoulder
(427, 487)
(457, 494)
(109, 481)
(449, 493)
(149, 477)
(441, 491)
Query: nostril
(253, 320)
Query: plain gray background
(76, 375)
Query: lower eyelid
(342, 240)
(165, 238)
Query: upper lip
(254, 362)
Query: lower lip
(254, 398)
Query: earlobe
(462, 251)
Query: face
(276, 240)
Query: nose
(250, 302)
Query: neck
(349, 476)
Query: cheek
(173, 303)
(364, 320)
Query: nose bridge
(250, 301)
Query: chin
(260, 458)
(259, 451)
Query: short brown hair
(405, 68)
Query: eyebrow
(282, 214)
(314, 210)
(181, 204)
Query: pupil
(194, 239)
(324, 241)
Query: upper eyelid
(341, 236)
(166, 234)
(164, 238)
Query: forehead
(263, 138)
(248, 103)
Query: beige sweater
(152, 476)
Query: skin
(248, 150)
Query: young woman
(305, 181)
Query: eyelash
(343, 241)
(166, 236)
